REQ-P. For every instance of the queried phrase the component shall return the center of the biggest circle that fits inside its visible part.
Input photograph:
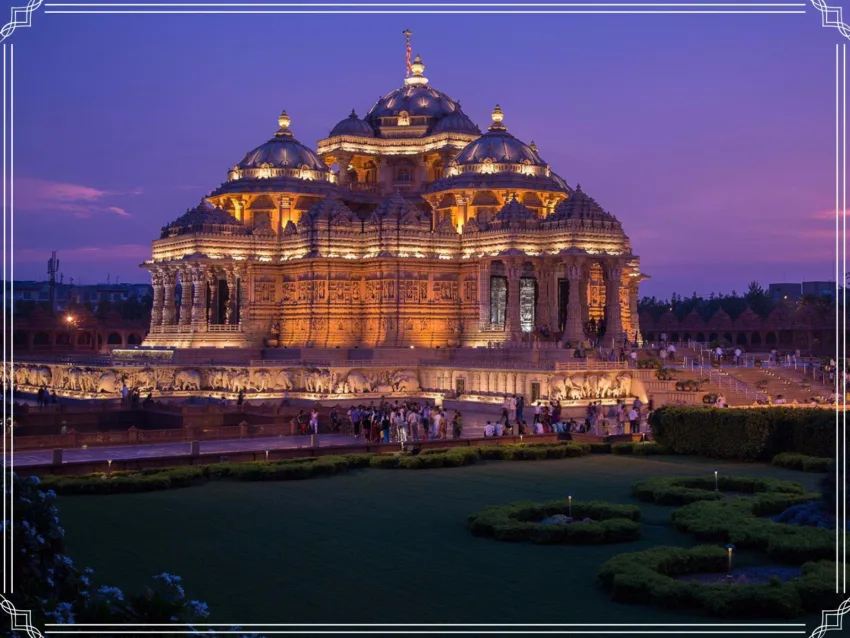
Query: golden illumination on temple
(407, 227)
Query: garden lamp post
(267, 456)
(716, 484)
(109, 468)
(570, 505)
(730, 548)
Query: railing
(364, 187)
(224, 327)
(722, 379)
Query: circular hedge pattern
(681, 490)
(649, 577)
(516, 522)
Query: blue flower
(197, 608)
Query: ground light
(716, 485)
(108, 468)
(730, 548)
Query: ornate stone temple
(407, 227)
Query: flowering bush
(53, 589)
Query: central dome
(415, 100)
(416, 104)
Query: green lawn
(380, 545)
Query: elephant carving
(358, 383)
(558, 387)
(606, 382)
(40, 375)
(108, 382)
(240, 381)
(283, 380)
(144, 379)
(318, 380)
(261, 380)
(21, 375)
(624, 383)
(405, 381)
(187, 380)
(383, 388)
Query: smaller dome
(201, 217)
(352, 125)
(513, 212)
(579, 205)
(457, 122)
(499, 147)
(282, 151)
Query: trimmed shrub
(803, 462)
(600, 448)
(516, 522)
(644, 448)
(681, 490)
(744, 434)
(152, 479)
(648, 577)
(735, 521)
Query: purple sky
(710, 137)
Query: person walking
(512, 408)
(125, 394)
(520, 406)
(413, 424)
(440, 424)
(633, 419)
(538, 408)
(457, 425)
(240, 398)
(314, 421)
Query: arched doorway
(770, 339)
(741, 339)
(134, 339)
(114, 339)
(41, 339)
(755, 339)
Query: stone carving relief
(590, 386)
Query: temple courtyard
(378, 546)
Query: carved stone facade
(407, 228)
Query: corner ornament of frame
(832, 17)
(21, 17)
(25, 618)
(832, 619)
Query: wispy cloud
(38, 195)
(120, 253)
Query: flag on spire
(407, 33)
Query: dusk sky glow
(711, 137)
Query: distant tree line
(756, 298)
(134, 308)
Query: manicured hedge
(153, 479)
(741, 521)
(648, 577)
(803, 462)
(641, 448)
(747, 434)
(520, 522)
(454, 457)
(681, 490)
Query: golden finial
(497, 114)
(284, 120)
(533, 146)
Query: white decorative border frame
(831, 17)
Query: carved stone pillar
(544, 294)
(614, 320)
(285, 212)
(385, 176)
(585, 301)
(513, 323)
(156, 309)
(185, 296)
(484, 293)
(212, 282)
(633, 313)
(343, 160)
(199, 302)
(573, 330)
(232, 292)
(462, 211)
(169, 311)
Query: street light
(729, 549)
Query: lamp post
(716, 484)
(267, 456)
(570, 505)
(729, 549)
(109, 468)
